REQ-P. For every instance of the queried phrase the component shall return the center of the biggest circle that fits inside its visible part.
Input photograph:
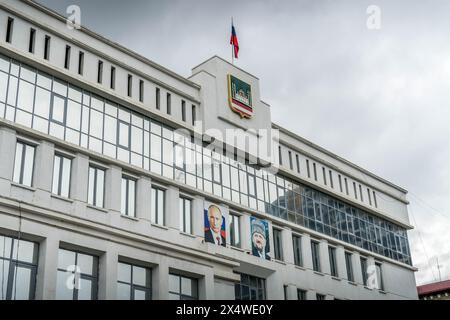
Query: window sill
(18, 185)
(237, 249)
(129, 218)
(366, 287)
(300, 267)
(319, 273)
(353, 283)
(279, 261)
(55, 196)
(335, 278)
(188, 235)
(160, 226)
(97, 208)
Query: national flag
(234, 41)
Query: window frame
(94, 185)
(22, 162)
(155, 206)
(61, 174)
(127, 180)
(183, 199)
(147, 290)
(52, 101)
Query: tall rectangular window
(24, 164)
(331, 179)
(9, 29)
(77, 276)
(130, 85)
(182, 288)
(47, 47)
(158, 98)
(369, 197)
(158, 206)
(315, 171)
(333, 261)
(301, 294)
(31, 44)
(100, 72)
(58, 110)
(235, 234)
(280, 157)
(375, 199)
(80, 63)
(61, 176)
(315, 256)
(183, 110)
(128, 199)
(320, 296)
(141, 90)
(124, 135)
(354, 190)
(250, 288)
(67, 58)
(349, 266)
(297, 160)
(324, 176)
(112, 83)
(278, 244)
(364, 270)
(340, 183)
(185, 215)
(307, 168)
(361, 193)
(133, 282)
(291, 164)
(194, 115)
(18, 269)
(297, 245)
(96, 186)
(380, 283)
(346, 186)
(169, 103)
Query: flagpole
(232, 47)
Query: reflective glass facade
(54, 107)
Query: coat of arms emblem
(240, 97)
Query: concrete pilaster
(172, 207)
(143, 196)
(306, 251)
(340, 260)
(43, 166)
(107, 281)
(80, 178)
(324, 257)
(47, 266)
(7, 150)
(113, 188)
(288, 250)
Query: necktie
(218, 240)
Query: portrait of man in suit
(214, 226)
(259, 233)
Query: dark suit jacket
(209, 238)
(255, 252)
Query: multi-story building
(103, 196)
(434, 291)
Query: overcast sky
(379, 98)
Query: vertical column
(79, 182)
(311, 295)
(274, 287)
(160, 281)
(288, 250)
(107, 281)
(306, 251)
(43, 166)
(340, 260)
(356, 261)
(324, 257)
(197, 217)
(246, 237)
(291, 292)
(113, 188)
(271, 242)
(47, 266)
(172, 208)
(206, 286)
(143, 196)
(7, 150)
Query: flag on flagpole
(234, 41)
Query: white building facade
(107, 190)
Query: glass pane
(187, 211)
(139, 294)
(18, 162)
(155, 147)
(26, 96)
(86, 263)
(65, 177)
(96, 126)
(28, 166)
(42, 104)
(73, 115)
(26, 251)
(123, 198)
(91, 186)
(4, 268)
(139, 276)
(131, 198)
(56, 167)
(21, 283)
(186, 286)
(124, 134)
(3, 86)
(110, 129)
(100, 187)
(64, 285)
(124, 272)
(160, 207)
(123, 291)
(65, 259)
(5, 247)
(174, 283)
(85, 290)
(153, 206)
(58, 110)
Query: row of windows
(100, 66)
(328, 178)
(51, 106)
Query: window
(18, 259)
(9, 29)
(100, 72)
(194, 115)
(169, 104)
(77, 276)
(278, 244)
(315, 171)
(123, 135)
(58, 109)
(364, 270)
(333, 261)
(315, 256)
(320, 296)
(368, 195)
(346, 186)
(301, 294)
(183, 110)
(141, 91)
(324, 176)
(80, 63)
(67, 58)
(128, 199)
(158, 98)
(297, 245)
(133, 282)
(297, 160)
(331, 179)
(375, 199)
(280, 158)
(250, 288)
(32, 42)
(185, 215)
(61, 176)
(96, 186)
(158, 201)
(349, 266)
(47, 47)
(182, 288)
(235, 234)
(24, 164)
(354, 190)
(340, 183)
(130, 85)
(113, 78)
(361, 193)
(285, 289)
(291, 164)
(380, 283)
(307, 168)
